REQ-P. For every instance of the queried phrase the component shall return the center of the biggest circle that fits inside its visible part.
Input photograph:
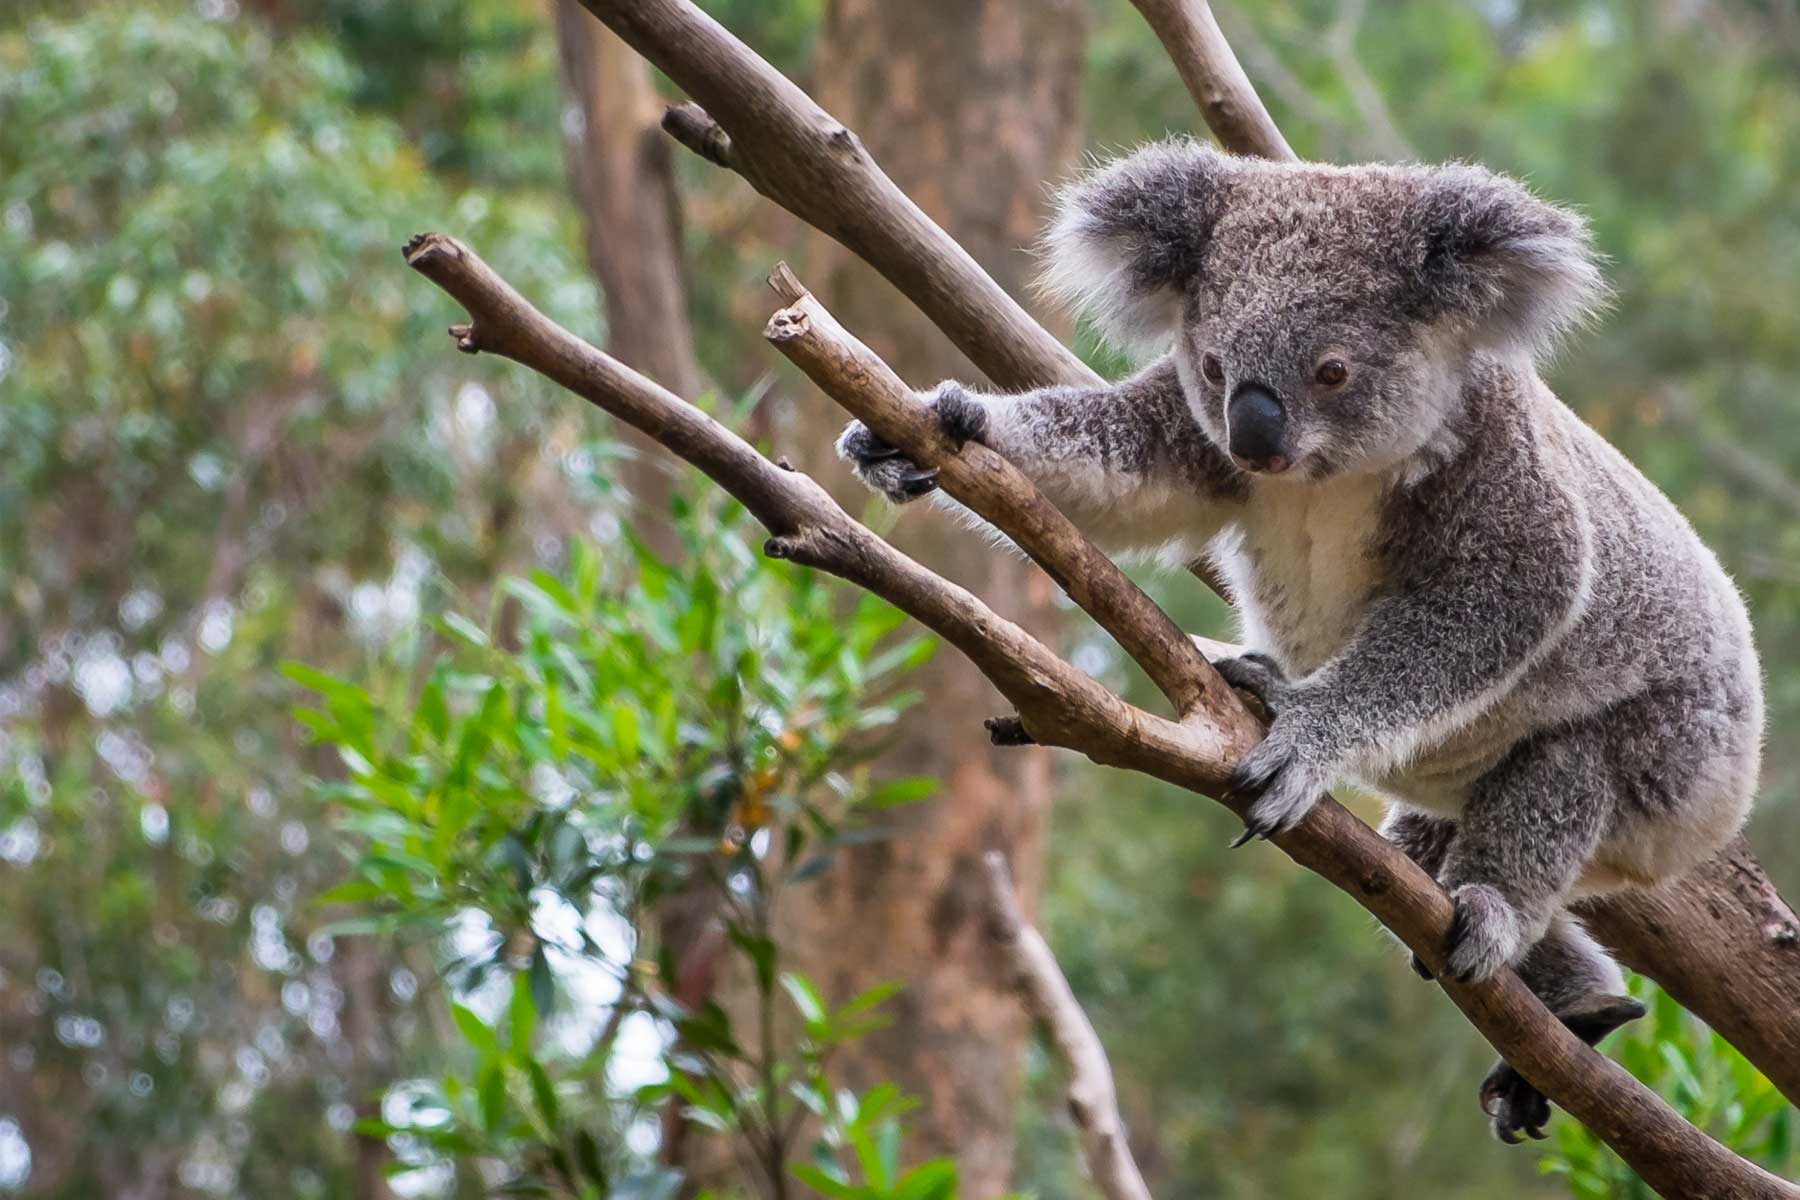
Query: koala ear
(1518, 271)
(1128, 235)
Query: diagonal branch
(1063, 707)
(989, 485)
(1093, 1102)
(1221, 90)
(800, 156)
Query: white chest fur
(1299, 565)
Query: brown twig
(853, 375)
(1220, 89)
(1093, 1103)
(1062, 707)
(807, 161)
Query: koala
(1456, 594)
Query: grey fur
(1462, 597)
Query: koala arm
(1489, 566)
(1127, 462)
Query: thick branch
(1220, 89)
(1093, 1103)
(853, 375)
(1061, 706)
(765, 127)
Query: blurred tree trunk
(972, 107)
(622, 173)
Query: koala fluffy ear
(1129, 234)
(1518, 271)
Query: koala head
(1323, 318)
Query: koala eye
(1212, 368)
(1332, 372)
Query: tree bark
(972, 108)
(622, 174)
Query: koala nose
(1255, 423)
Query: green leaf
(827, 1185)
(475, 1031)
(463, 629)
(544, 1094)
(902, 791)
(807, 1000)
(491, 1090)
(933, 1180)
(761, 952)
(522, 1016)
(543, 982)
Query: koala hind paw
(1485, 933)
(1513, 1105)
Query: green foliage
(630, 734)
(1704, 1079)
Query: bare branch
(1093, 1103)
(853, 375)
(807, 161)
(1214, 79)
(1060, 706)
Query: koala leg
(1426, 839)
(1529, 827)
(1578, 982)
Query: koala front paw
(962, 418)
(882, 468)
(1286, 785)
(1259, 675)
(1486, 934)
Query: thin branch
(853, 375)
(1221, 90)
(810, 163)
(1062, 707)
(1383, 131)
(1093, 1102)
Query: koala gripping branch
(1721, 940)
(1061, 706)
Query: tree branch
(1220, 89)
(1093, 1102)
(853, 375)
(1063, 707)
(772, 133)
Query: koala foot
(881, 466)
(1286, 786)
(1513, 1104)
(1259, 675)
(1485, 934)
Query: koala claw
(1421, 970)
(1285, 787)
(1485, 933)
(1259, 675)
(1513, 1105)
(883, 468)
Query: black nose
(1256, 423)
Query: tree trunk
(622, 174)
(972, 107)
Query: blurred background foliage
(246, 958)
